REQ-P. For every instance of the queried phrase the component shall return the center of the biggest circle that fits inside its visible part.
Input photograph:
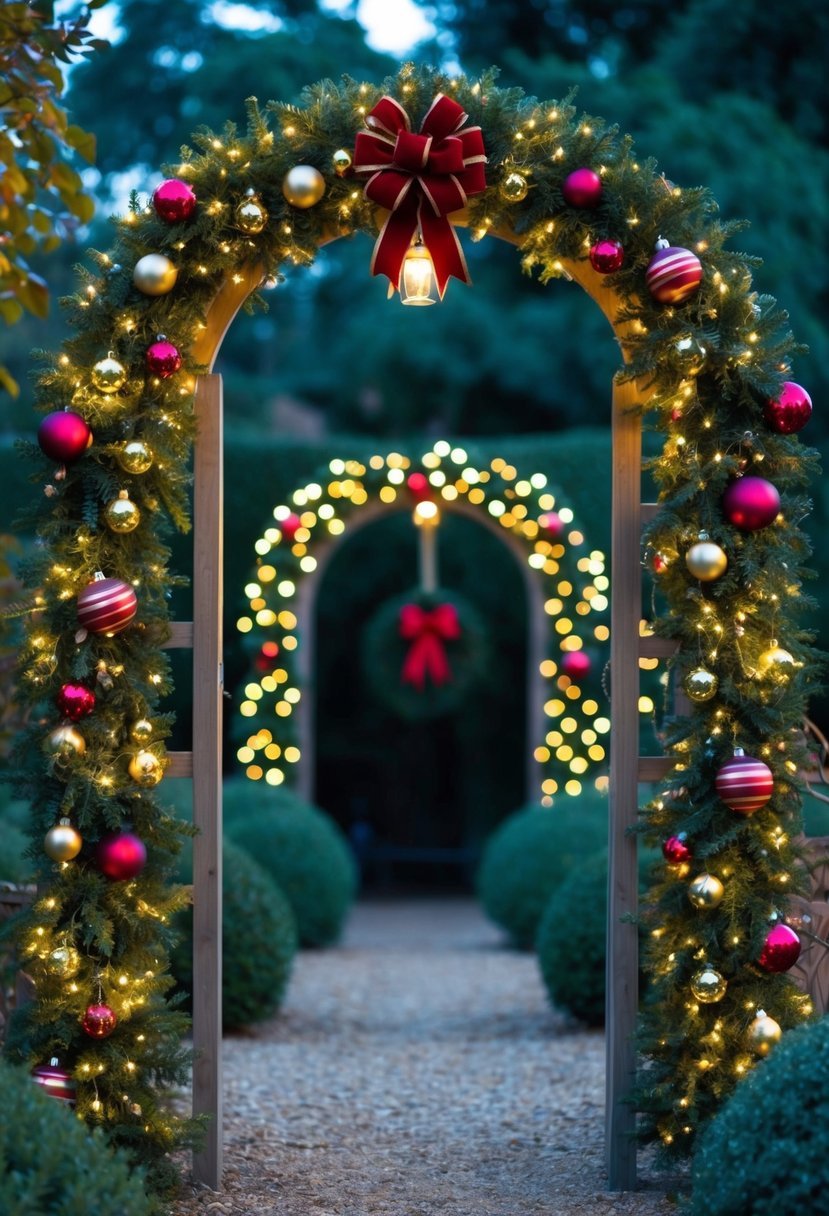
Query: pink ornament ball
(582, 188)
(553, 524)
(673, 273)
(107, 605)
(63, 436)
(781, 949)
(174, 201)
(751, 503)
(676, 851)
(121, 856)
(75, 701)
(576, 664)
(790, 410)
(289, 527)
(745, 784)
(606, 257)
(163, 359)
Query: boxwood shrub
(570, 943)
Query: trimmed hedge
(766, 1151)
(571, 941)
(50, 1163)
(530, 853)
(259, 941)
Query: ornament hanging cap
(661, 243)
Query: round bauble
(154, 274)
(418, 486)
(552, 523)
(251, 216)
(607, 257)
(55, 1081)
(99, 1021)
(673, 274)
(121, 514)
(341, 161)
(582, 188)
(163, 359)
(675, 850)
(289, 526)
(75, 701)
(781, 949)
(65, 743)
(107, 605)
(64, 961)
(174, 201)
(706, 891)
(751, 503)
(514, 188)
(708, 986)
(134, 456)
(141, 730)
(764, 1033)
(744, 784)
(121, 856)
(777, 662)
(790, 410)
(146, 769)
(576, 664)
(303, 186)
(264, 660)
(706, 561)
(108, 375)
(62, 842)
(659, 563)
(692, 355)
(63, 436)
(700, 685)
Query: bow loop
(428, 631)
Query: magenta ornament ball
(75, 701)
(174, 201)
(107, 605)
(163, 359)
(751, 503)
(99, 1021)
(673, 274)
(745, 784)
(63, 436)
(552, 523)
(676, 851)
(607, 256)
(582, 188)
(121, 856)
(781, 949)
(790, 410)
(576, 664)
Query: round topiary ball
(529, 854)
(766, 1151)
(259, 941)
(571, 941)
(309, 857)
(52, 1163)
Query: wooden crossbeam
(181, 636)
(180, 764)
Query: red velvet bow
(427, 632)
(420, 179)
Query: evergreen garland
(695, 1054)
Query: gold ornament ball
(777, 662)
(65, 742)
(342, 161)
(764, 1033)
(134, 457)
(250, 216)
(122, 515)
(65, 960)
(141, 731)
(154, 274)
(146, 769)
(514, 188)
(706, 891)
(708, 986)
(62, 842)
(108, 375)
(700, 685)
(303, 186)
(706, 561)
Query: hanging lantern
(417, 282)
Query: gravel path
(416, 1070)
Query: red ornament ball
(163, 359)
(289, 527)
(790, 410)
(55, 1081)
(673, 273)
(745, 784)
(659, 563)
(607, 256)
(576, 664)
(781, 949)
(418, 486)
(553, 524)
(174, 201)
(107, 605)
(751, 503)
(63, 436)
(676, 851)
(582, 188)
(99, 1021)
(75, 701)
(265, 659)
(121, 856)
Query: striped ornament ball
(106, 605)
(673, 273)
(745, 784)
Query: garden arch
(698, 346)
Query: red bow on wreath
(427, 632)
(420, 179)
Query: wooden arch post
(626, 769)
